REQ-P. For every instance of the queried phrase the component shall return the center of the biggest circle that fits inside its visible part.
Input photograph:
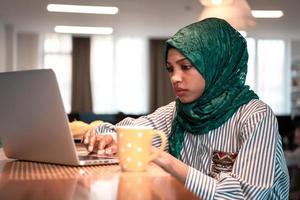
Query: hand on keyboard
(100, 144)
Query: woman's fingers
(91, 144)
(111, 149)
(86, 138)
(89, 140)
(105, 145)
(105, 141)
(101, 144)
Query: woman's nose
(176, 77)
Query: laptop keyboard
(83, 154)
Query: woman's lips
(180, 92)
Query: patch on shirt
(222, 162)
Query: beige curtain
(161, 92)
(81, 80)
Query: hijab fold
(219, 53)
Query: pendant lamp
(235, 12)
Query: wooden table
(30, 180)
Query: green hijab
(219, 53)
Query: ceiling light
(82, 9)
(84, 30)
(267, 13)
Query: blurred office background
(123, 71)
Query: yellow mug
(134, 146)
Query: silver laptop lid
(33, 122)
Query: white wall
(18, 51)
(295, 50)
(10, 47)
(27, 51)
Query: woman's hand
(100, 144)
(172, 165)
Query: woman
(223, 141)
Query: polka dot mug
(134, 146)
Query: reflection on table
(29, 180)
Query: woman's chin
(184, 100)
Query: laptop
(33, 123)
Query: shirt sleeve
(160, 119)
(253, 173)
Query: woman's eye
(186, 67)
(169, 69)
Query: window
(119, 75)
(131, 76)
(268, 73)
(102, 74)
(57, 56)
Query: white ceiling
(150, 18)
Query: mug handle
(163, 143)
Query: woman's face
(186, 80)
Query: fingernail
(101, 151)
(90, 148)
(86, 141)
(108, 151)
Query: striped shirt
(259, 171)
